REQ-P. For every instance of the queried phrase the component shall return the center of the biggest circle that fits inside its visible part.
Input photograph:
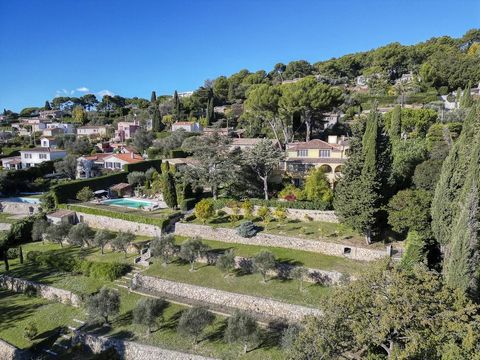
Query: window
(28, 156)
(117, 165)
(324, 153)
(108, 165)
(302, 153)
(42, 156)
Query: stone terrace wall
(45, 291)
(264, 306)
(19, 208)
(262, 239)
(112, 224)
(10, 352)
(300, 214)
(131, 350)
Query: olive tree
(164, 247)
(148, 311)
(193, 321)
(104, 304)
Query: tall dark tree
(176, 105)
(169, 190)
(395, 127)
(153, 97)
(47, 106)
(452, 179)
(364, 187)
(157, 124)
(210, 112)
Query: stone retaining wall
(129, 350)
(263, 306)
(263, 239)
(19, 208)
(112, 224)
(44, 291)
(300, 214)
(10, 352)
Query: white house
(36, 156)
(117, 161)
(68, 128)
(92, 130)
(12, 163)
(188, 126)
(48, 142)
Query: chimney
(332, 139)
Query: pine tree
(47, 106)
(452, 178)
(153, 97)
(169, 190)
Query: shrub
(247, 208)
(247, 229)
(204, 210)
(303, 205)
(85, 194)
(188, 204)
(12, 253)
(30, 331)
(280, 213)
(291, 193)
(102, 270)
(264, 213)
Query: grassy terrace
(8, 218)
(156, 214)
(18, 310)
(59, 315)
(314, 230)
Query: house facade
(118, 161)
(92, 130)
(126, 130)
(48, 142)
(12, 163)
(188, 126)
(36, 156)
(303, 156)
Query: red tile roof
(314, 144)
(128, 157)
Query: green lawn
(251, 284)
(18, 310)
(7, 218)
(314, 230)
(294, 257)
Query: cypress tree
(210, 111)
(153, 97)
(157, 124)
(452, 179)
(169, 190)
(47, 106)
(395, 128)
(363, 189)
(414, 250)
(176, 105)
(466, 100)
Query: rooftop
(42, 149)
(61, 213)
(314, 144)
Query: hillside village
(246, 217)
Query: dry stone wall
(262, 239)
(300, 214)
(19, 208)
(45, 291)
(258, 305)
(112, 224)
(129, 350)
(10, 352)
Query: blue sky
(54, 47)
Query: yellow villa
(330, 156)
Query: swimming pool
(131, 203)
(22, 200)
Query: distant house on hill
(38, 155)
(48, 141)
(126, 130)
(188, 126)
(92, 130)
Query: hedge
(160, 222)
(302, 205)
(69, 190)
(143, 165)
(177, 153)
(188, 204)
(102, 270)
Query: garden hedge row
(160, 222)
(302, 205)
(68, 190)
(144, 166)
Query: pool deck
(153, 204)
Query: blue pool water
(131, 203)
(22, 200)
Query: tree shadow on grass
(172, 322)
(218, 333)
(271, 337)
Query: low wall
(129, 350)
(262, 239)
(259, 305)
(44, 291)
(10, 352)
(19, 208)
(300, 214)
(112, 224)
